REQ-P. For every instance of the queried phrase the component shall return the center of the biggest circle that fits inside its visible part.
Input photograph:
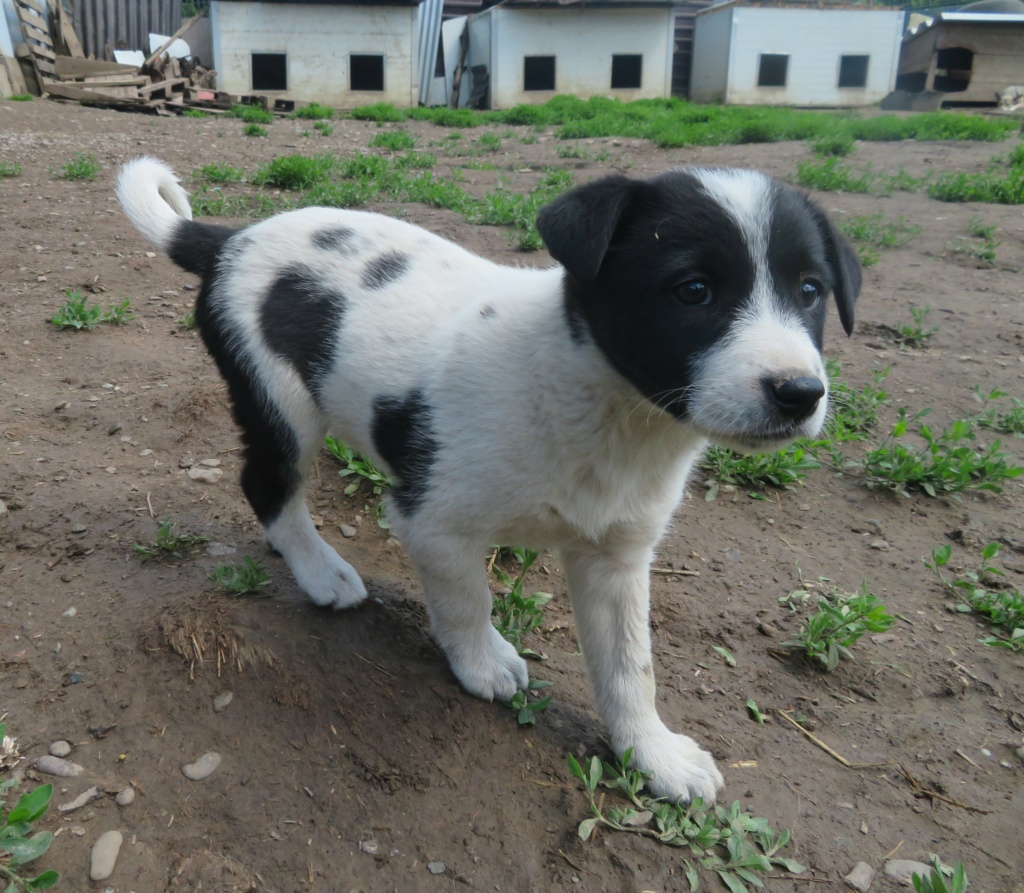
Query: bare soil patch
(351, 758)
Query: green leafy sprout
(81, 167)
(840, 621)
(941, 879)
(246, 578)
(76, 313)
(1001, 606)
(18, 845)
(169, 543)
(737, 846)
(360, 469)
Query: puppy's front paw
(490, 669)
(681, 770)
(330, 581)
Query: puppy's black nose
(796, 398)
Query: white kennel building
(531, 50)
(337, 52)
(747, 54)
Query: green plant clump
(363, 470)
(779, 469)
(251, 114)
(1009, 422)
(194, 113)
(169, 543)
(219, 173)
(80, 167)
(916, 333)
(1002, 607)
(738, 847)
(948, 463)
(9, 169)
(314, 112)
(840, 622)
(294, 171)
(515, 614)
(241, 579)
(21, 97)
(395, 140)
(254, 130)
(18, 845)
(77, 313)
(936, 879)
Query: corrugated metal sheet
(123, 24)
(429, 22)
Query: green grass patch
(395, 140)
(294, 171)
(9, 169)
(1010, 421)
(21, 97)
(323, 128)
(983, 591)
(1002, 184)
(170, 543)
(194, 113)
(254, 130)
(246, 578)
(78, 314)
(728, 841)
(81, 167)
(915, 333)
(832, 175)
(314, 112)
(219, 173)
(251, 114)
(781, 469)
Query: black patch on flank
(403, 434)
(197, 246)
(334, 238)
(299, 319)
(488, 312)
(384, 270)
(574, 319)
(271, 475)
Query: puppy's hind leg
(279, 456)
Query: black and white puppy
(558, 408)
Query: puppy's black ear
(578, 226)
(845, 267)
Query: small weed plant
(80, 167)
(833, 144)
(948, 462)
(941, 879)
(1001, 185)
(874, 230)
(9, 169)
(515, 615)
(1009, 422)
(219, 173)
(780, 469)
(738, 847)
(294, 172)
(1003, 607)
(194, 113)
(254, 130)
(854, 411)
(323, 128)
(395, 140)
(916, 333)
(572, 150)
(21, 97)
(188, 320)
(18, 844)
(77, 313)
(314, 112)
(169, 543)
(251, 114)
(840, 621)
(489, 141)
(246, 578)
(361, 470)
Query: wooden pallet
(35, 28)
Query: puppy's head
(708, 290)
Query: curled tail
(157, 205)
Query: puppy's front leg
(611, 599)
(459, 602)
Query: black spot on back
(383, 270)
(488, 312)
(334, 238)
(300, 318)
(403, 434)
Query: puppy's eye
(695, 292)
(811, 291)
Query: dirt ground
(351, 759)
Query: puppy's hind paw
(492, 670)
(681, 770)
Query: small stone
(1020, 754)
(219, 550)
(202, 768)
(369, 847)
(436, 867)
(79, 528)
(80, 800)
(60, 749)
(211, 463)
(125, 797)
(880, 545)
(347, 531)
(114, 428)
(104, 855)
(844, 804)
(903, 870)
(185, 462)
(110, 469)
(51, 765)
(3, 508)
(205, 475)
(883, 638)
(222, 700)
(73, 678)
(146, 452)
(70, 612)
(861, 877)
